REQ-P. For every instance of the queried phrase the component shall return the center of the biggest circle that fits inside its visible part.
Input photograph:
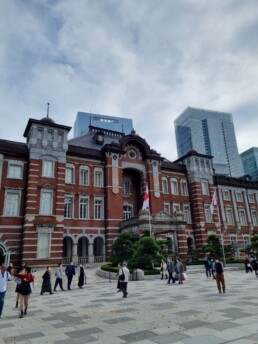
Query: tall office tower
(212, 133)
(250, 162)
(84, 119)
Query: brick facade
(63, 200)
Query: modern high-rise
(250, 162)
(212, 133)
(85, 119)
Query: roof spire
(48, 110)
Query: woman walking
(24, 289)
(81, 276)
(180, 270)
(46, 284)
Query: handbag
(185, 275)
(122, 276)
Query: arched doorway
(82, 250)
(98, 250)
(67, 249)
(191, 248)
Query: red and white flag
(146, 200)
(213, 203)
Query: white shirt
(4, 277)
(126, 273)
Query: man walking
(59, 277)
(220, 276)
(170, 269)
(70, 272)
(124, 278)
(4, 277)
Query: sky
(142, 59)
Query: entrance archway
(67, 248)
(83, 244)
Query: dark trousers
(2, 296)
(208, 272)
(170, 277)
(69, 281)
(60, 282)
(123, 286)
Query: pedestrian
(163, 270)
(180, 271)
(46, 284)
(70, 272)
(220, 276)
(24, 289)
(81, 276)
(59, 277)
(170, 269)
(4, 277)
(255, 266)
(18, 281)
(212, 268)
(207, 267)
(124, 278)
(248, 266)
(119, 273)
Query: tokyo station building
(66, 200)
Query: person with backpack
(124, 278)
(220, 276)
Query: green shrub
(151, 272)
(109, 267)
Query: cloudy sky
(143, 59)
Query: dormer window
(40, 134)
(50, 135)
(99, 138)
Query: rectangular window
(229, 216)
(84, 208)
(40, 134)
(84, 175)
(60, 137)
(233, 240)
(251, 198)
(50, 135)
(187, 214)
(69, 175)
(242, 217)
(48, 168)
(205, 188)
(126, 187)
(174, 187)
(239, 196)
(184, 188)
(12, 203)
(98, 209)
(46, 202)
(98, 178)
(165, 186)
(226, 195)
(208, 216)
(43, 245)
(68, 206)
(127, 212)
(15, 171)
(246, 240)
(176, 207)
(254, 217)
(166, 208)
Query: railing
(66, 260)
(83, 260)
(99, 259)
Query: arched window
(164, 185)
(184, 188)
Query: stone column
(91, 255)
(75, 252)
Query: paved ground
(154, 312)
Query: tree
(146, 252)
(122, 248)
(254, 245)
(213, 246)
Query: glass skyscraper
(212, 133)
(250, 162)
(84, 119)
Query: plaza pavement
(154, 312)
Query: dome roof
(48, 120)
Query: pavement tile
(117, 320)
(204, 340)
(193, 324)
(170, 338)
(85, 332)
(137, 336)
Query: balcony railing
(83, 260)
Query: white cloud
(139, 59)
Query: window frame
(84, 198)
(226, 195)
(128, 211)
(84, 168)
(166, 204)
(101, 208)
(164, 183)
(253, 199)
(127, 185)
(174, 186)
(98, 177)
(240, 213)
(15, 164)
(66, 210)
(254, 219)
(184, 185)
(18, 206)
(44, 231)
(205, 187)
(45, 173)
(72, 169)
(207, 212)
(46, 191)
(239, 199)
(229, 213)
(188, 218)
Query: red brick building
(63, 200)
